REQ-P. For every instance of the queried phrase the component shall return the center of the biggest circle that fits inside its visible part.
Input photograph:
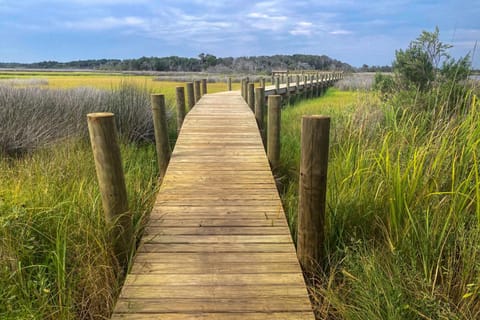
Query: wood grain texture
(217, 245)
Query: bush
(34, 117)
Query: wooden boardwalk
(217, 245)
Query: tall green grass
(403, 222)
(56, 261)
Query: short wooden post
(317, 86)
(312, 191)
(259, 100)
(311, 86)
(242, 88)
(204, 87)
(108, 165)
(251, 96)
(305, 87)
(196, 90)
(277, 85)
(190, 96)
(262, 82)
(180, 97)
(161, 132)
(273, 135)
(273, 78)
(245, 85)
(229, 83)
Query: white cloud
(340, 32)
(107, 23)
(302, 28)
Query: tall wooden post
(196, 90)
(242, 88)
(161, 132)
(312, 191)
(229, 83)
(190, 96)
(251, 96)
(287, 86)
(259, 100)
(180, 97)
(108, 165)
(204, 87)
(273, 135)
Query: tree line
(204, 62)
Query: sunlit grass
(402, 209)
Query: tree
(419, 64)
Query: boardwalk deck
(217, 245)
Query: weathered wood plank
(217, 316)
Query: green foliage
(419, 64)
(403, 213)
(384, 83)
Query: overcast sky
(355, 32)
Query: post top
(316, 116)
(100, 115)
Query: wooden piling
(204, 87)
(312, 191)
(229, 83)
(111, 180)
(180, 98)
(196, 90)
(273, 135)
(277, 85)
(251, 96)
(161, 132)
(262, 82)
(259, 100)
(190, 96)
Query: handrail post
(251, 96)
(111, 180)
(180, 98)
(229, 84)
(312, 191)
(273, 135)
(259, 101)
(204, 87)
(161, 133)
(196, 90)
(190, 96)
(277, 85)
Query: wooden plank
(278, 304)
(217, 316)
(217, 257)
(228, 292)
(283, 230)
(217, 247)
(202, 268)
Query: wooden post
(312, 191)
(242, 88)
(204, 87)
(259, 99)
(251, 96)
(196, 90)
(287, 86)
(108, 165)
(180, 95)
(277, 85)
(273, 78)
(262, 82)
(229, 83)
(161, 132)
(311, 86)
(273, 136)
(317, 87)
(190, 96)
(305, 87)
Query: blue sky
(355, 32)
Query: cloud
(302, 28)
(264, 21)
(340, 32)
(107, 23)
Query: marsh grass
(403, 200)
(56, 260)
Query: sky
(356, 32)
